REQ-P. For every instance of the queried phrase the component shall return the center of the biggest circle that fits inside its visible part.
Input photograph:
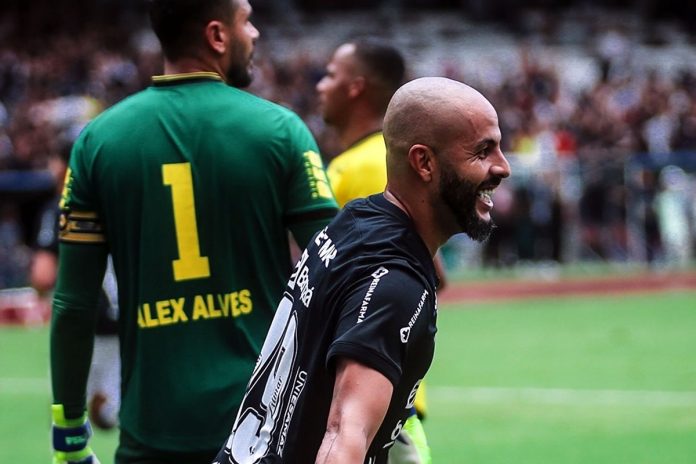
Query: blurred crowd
(52, 84)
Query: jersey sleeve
(310, 200)
(79, 220)
(81, 266)
(381, 319)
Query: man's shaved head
(430, 111)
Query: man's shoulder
(271, 109)
(370, 148)
(367, 157)
(223, 102)
(120, 111)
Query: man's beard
(238, 75)
(460, 197)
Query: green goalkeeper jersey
(192, 186)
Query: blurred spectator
(14, 254)
(672, 205)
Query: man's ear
(422, 161)
(216, 36)
(356, 86)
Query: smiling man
(360, 80)
(354, 333)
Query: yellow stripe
(82, 215)
(81, 237)
(182, 76)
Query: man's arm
(360, 400)
(80, 273)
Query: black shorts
(130, 451)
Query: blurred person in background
(672, 206)
(192, 186)
(360, 79)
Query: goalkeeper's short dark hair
(178, 23)
(383, 64)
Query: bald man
(354, 333)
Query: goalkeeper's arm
(80, 273)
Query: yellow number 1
(190, 265)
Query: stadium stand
(594, 104)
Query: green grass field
(582, 380)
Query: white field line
(24, 385)
(561, 396)
(475, 395)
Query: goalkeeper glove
(71, 439)
(411, 446)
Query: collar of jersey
(423, 253)
(168, 79)
(365, 138)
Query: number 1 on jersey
(190, 265)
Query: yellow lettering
(317, 176)
(210, 306)
(214, 313)
(179, 314)
(224, 301)
(163, 312)
(234, 304)
(141, 321)
(199, 308)
(149, 321)
(323, 188)
(245, 300)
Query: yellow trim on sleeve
(81, 227)
(81, 237)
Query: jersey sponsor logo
(300, 382)
(405, 332)
(412, 396)
(394, 435)
(376, 276)
(318, 183)
(300, 277)
(327, 250)
(201, 307)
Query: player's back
(194, 181)
(357, 292)
(186, 169)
